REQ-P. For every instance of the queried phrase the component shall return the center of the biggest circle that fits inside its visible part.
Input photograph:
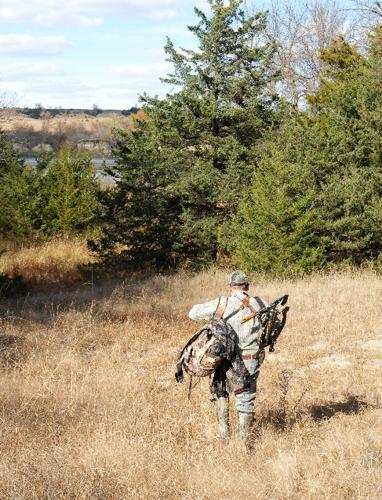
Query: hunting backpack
(214, 350)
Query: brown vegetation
(90, 408)
(66, 128)
(54, 262)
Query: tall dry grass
(90, 409)
(69, 124)
(48, 264)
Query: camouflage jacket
(247, 333)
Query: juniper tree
(182, 170)
(59, 195)
(68, 191)
(316, 197)
(15, 192)
(8, 156)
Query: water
(97, 162)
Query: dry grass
(75, 129)
(90, 409)
(49, 264)
(101, 126)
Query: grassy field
(56, 131)
(48, 265)
(90, 408)
(99, 125)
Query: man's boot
(245, 426)
(221, 405)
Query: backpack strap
(222, 304)
(254, 312)
(244, 304)
(259, 301)
(221, 307)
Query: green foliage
(183, 168)
(140, 217)
(15, 193)
(316, 198)
(8, 156)
(16, 217)
(58, 196)
(68, 193)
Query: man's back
(246, 332)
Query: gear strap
(244, 304)
(259, 301)
(221, 307)
(253, 310)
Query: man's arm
(204, 311)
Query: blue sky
(87, 52)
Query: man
(247, 335)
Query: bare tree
(7, 99)
(370, 8)
(8, 102)
(369, 14)
(300, 32)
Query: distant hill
(43, 129)
(38, 111)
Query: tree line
(58, 196)
(252, 159)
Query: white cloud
(64, 88)
(155, 53)
(163, 15)
(19, 71)
(140, 71)
(115, 86)
(85, 12)
(81, 78)
(88, 22)
(26, 45)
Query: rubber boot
(221, 405)
(245, 426)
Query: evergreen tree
(316, 197)
(141, 213)
(59, 195)
(8, 156)
(68, 192)
(15, 191)
(181, 171)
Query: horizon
(93, 52)
(89, 52)
(61, 109)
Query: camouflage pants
(245, 401)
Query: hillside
(47, 130)
(90, 408)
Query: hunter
(247, 334)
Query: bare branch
(369, 7)
(300, 32)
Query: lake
(105, 180)
(97, 162)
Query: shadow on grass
(42, 306)
(353, 404)
(283, 419)
(10, 350)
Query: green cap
(238, 278)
